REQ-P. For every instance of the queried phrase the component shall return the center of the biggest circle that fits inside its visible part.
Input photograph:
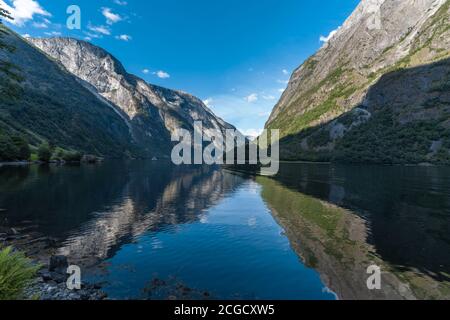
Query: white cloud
(111, 17)
(145, 71)
(269, 97)
(281, 90)
(251, 98)
(53, 33)
(162, 74)
(253, 133)
(40, 25)
(124, 37)
(285, 72)
(24, 10)
(90, 36)
(26, 35)
(330, 36)
(99, 29)
(208, 102)
(120, 3)
(283, 81)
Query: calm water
(150, 230)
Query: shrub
(44, 152)
(72, 156)
(16, 273)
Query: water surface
(150, 230)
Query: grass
(16, 273)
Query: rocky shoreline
(51, 280)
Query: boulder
(58, 264)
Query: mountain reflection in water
(310, 231)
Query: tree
(44, 152)
(22, 148)
(7, 149)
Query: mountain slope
(151, 110)
(326, 98)
(43, 109)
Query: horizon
(239, 86)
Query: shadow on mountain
(404, 119)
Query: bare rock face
(380, 37)
(151, 111)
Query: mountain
(152, 112)
(377, 91)
(79, 97)
(50, 104)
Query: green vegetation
(70, 116)
(47, 152)
(319, 139)
(44, 152)
(325, 100)
(384, 140)
(14, 148)
(16, 273)
(8, 71)
(17, 148)
(60, 154)
(293, 124)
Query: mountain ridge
(42, 110)
(380, 37)
(146, 105)
(142, 116)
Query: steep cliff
(51, 105)
(79, 97)
(151, 111)
(328, 111)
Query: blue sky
(236, 55)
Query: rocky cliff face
(152, 112)
(50, 104)
(327, 97)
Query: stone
(46, 276)
(58, 264)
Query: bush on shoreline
(44, 152)
(16, 274)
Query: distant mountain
(377, 91)
(152, 112)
